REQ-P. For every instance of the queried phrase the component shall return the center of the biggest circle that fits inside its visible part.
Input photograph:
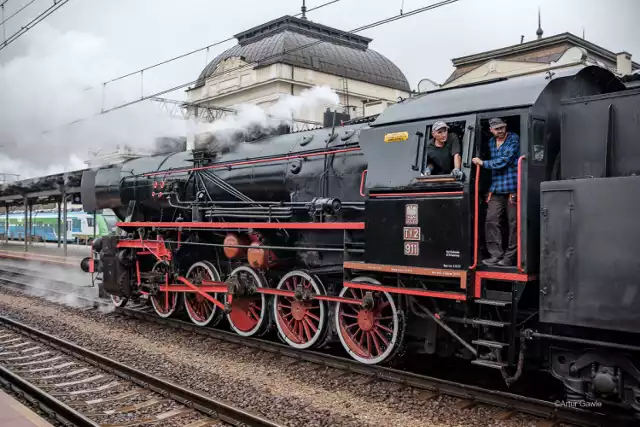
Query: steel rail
(49, 404)
(524, 404)
(212, 407)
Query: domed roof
(306, 44)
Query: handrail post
(519, 213)
(476, 219)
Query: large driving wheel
(370, 336)
(200, 310)
(302, 324)
(249, 314)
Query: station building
(289, 54)
(537, 56)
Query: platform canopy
(42, 190)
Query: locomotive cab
(437, 221)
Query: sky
(53, 74)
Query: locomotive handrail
(518, 219)
(435, 178)
(518, 213)
(415, 166)
(423, 194)
(475, 219)
(362, 180)
(258, 160)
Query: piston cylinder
(231, 242)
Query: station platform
(15, 414)
(48, 253)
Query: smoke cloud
(46, 87)
(58, 79)
(252, 120)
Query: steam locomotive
(335, 234)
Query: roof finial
(304, 10)
(539, 32)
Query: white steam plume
(45, 88)
(59, 285)
(283, 111)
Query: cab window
(441, 146)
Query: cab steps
(492, 323)
(490, 344)
(489, 363)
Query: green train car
(44, 227)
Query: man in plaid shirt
(505, 150)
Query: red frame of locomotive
(158, 249)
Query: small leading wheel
(302, 324)
(249, 314)
(200, 310)
(164, 303)
(371, 336)
(118, 301)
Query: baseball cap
(439, 125)
(496, 122)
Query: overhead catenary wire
(35, 21)
(16, 12)
(253, 64)
(267, 58)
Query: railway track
(470, 395)
(79, 387)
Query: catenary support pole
(31, 223)
(64, 213)
(59, 221)
(26, 223)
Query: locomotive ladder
(489, 300)
(503, 300)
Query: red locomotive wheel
(301, 324)
(164, 303)
(249, 314)
(200, 310)
(370, 336)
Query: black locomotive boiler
(335, 234)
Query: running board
(493, 302)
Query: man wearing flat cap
(443, 152)
(504, 149)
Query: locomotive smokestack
(328, 118)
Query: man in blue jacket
(505, 151)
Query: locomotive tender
(336, 232)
